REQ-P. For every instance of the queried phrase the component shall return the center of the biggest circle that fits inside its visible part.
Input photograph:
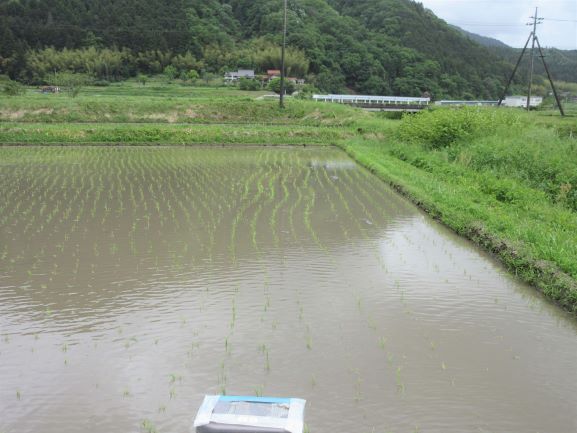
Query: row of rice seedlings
(280, 204)
(172, 216)
(264, 350)
(333, 195)
(259, 204)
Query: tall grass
(495, 176)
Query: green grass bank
(505, 179)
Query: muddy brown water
(135, 280)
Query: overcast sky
(505, 19)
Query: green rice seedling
(258, 391)
(372, 323)
(18, 395)
(399, 381)
(233, 314)
(382, 342)
(172, 378)
(126, 393)
(267, 362)
(148, 427)
(358, 385)
(162, 408)
(313, 381)
(227, 346)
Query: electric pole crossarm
(550, 79)
(514, 71)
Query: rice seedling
(382, 342)
(267, 361)
(313, 381)
(399, 380)
(227, 346)
(148, 427)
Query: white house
(231, 77)
(521, 101)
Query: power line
(557, 20)
(490, 25)
(480, 24)
(533, 36)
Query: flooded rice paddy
(135, 280)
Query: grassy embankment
(505, 179)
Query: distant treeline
(113, 64)
(366, 46)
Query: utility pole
(282, 61)
(534, 34)
(550, 79)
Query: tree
(142, 79)
(249, 84)
(275, 84)
(192, 76)
(170, 73)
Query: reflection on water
(135, 280)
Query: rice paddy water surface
(135, 280)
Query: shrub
(170, 73)
(306, 91)
(274, 86)
(142, 79)
(70, 82)
(248, 84)
(13, 88)
(439, 128)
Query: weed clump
(443, 127)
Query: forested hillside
(561, 63)
(369, 46)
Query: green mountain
(562, 63)
(481, 40)
(365, 46)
